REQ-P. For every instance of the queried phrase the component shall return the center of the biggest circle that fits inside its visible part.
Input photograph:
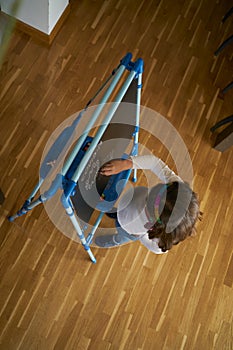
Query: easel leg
(135, 149)
(79, 231)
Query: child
(159, 217)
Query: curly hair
(178, 214)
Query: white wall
(56, 9)
(40, 14)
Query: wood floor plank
(51, 295)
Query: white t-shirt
(131, 208)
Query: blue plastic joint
(69, 190)
(135, 149)
(26, 204)
(71, 214)
(138, 66)
(129, 65)
(81, 236)
(86, 246)
(22, 211)
(125, 61)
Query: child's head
(173, 210)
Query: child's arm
(157, 166)
(151, 162)
(116, 166)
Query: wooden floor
(51, 295)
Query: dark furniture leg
(224, 44)
(227, 88)
(224, 139)
(228, 14)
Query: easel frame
(134, 70)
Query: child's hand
(116, 166)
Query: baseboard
(38, 35)
(59, 24)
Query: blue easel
(68, 178)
